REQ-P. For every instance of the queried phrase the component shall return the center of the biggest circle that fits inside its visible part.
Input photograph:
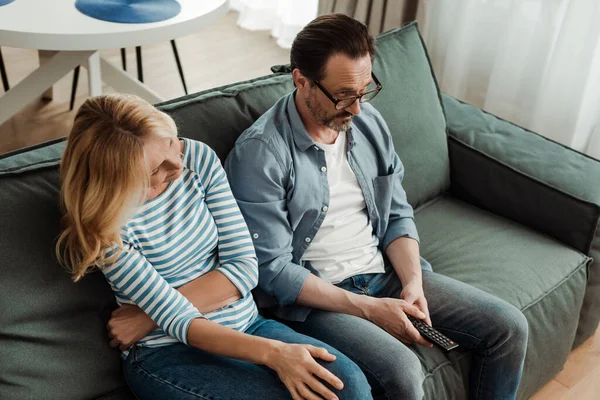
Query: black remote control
(431, 334)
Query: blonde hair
(104, 176)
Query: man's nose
(354, 108)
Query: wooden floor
(218, 55)
(580, 379)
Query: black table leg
(174, 46)
(74, 87)
(124, 59)
(138, 55)
(3, 73)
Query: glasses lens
(369, 96)
(345, 103)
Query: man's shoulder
(369, 113)
(268, 127)
(267, 138)
(370, 122)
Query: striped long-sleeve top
(190, 229)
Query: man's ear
(300, 81)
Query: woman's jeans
(181, 372)
(495, 331)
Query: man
(320, 186)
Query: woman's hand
(301, 374)
(127, 325)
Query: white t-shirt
(345, 244)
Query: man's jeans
(494, 330)
(178, 371)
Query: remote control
(432, 335)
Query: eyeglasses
(340, 104)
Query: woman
(155, 214)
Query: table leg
(123, 82)
(39, 80)
(44, 56)
(94, 75)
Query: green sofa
(497, 206)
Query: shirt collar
(301, 136)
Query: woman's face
(164, 156)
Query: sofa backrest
(53, 342)
(410, 103)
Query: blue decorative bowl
(129, 11)
(5, 2)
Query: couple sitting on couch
(323, 228)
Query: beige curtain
(378, 15)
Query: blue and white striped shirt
(192, 228)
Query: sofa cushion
(530, 179)
(539, 275)
(218, 116)
(53, 342)
(409, 102)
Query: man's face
(344, 77)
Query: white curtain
(284, 18)
(532, 62)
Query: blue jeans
(181, 372)
(495, 331)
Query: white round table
(67, 38)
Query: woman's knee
(356, 385)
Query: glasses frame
(360, 97)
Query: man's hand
(390, 315)
(413, 294)
(127, 325)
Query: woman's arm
(294, 363)
(209, 292)
(233, 279)
(237, 258)
(134, 277)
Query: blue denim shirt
(278, 176)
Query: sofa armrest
(523, 176)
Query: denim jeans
(495, 331)
(181, 372)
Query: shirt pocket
(383, 193)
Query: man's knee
(511, 326)
(404, 376)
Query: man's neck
(318, 132)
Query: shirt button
(255, 236)
(307, 240)
(323, 169)
(325, 208)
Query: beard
(331, 121)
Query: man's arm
(387, 313)
(405, 258)
(259, 177)
(401, 239)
